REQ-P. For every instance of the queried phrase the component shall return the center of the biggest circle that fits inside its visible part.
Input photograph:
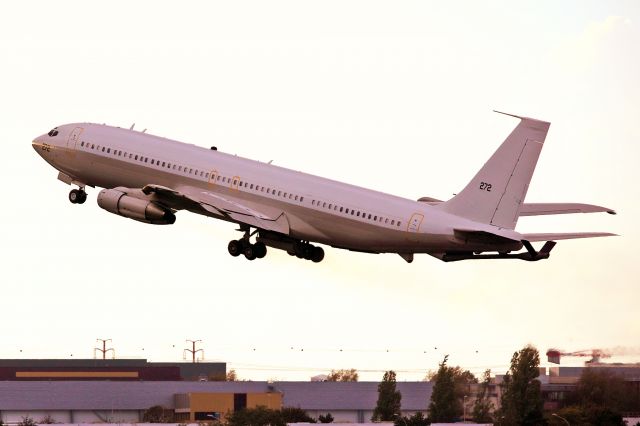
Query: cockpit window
(53, 132)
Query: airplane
(149, 178)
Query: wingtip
(612, 212)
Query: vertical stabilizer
(496, 193)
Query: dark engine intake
(140, 209)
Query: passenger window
(369, 217)
(82, 143)
(285, 195)
(218, 178)
(296, 198)
(324, 205)
(386, 220)
(301, 199)
(353, 212)
(340, 209)
(393, 221)
(399, 223)
(152, 161)
(179, 168)
(146, 159)
(330, 206)
(375, 218)
(251, 187)
(136, 157)
(103, 149)
(93, 146)
(313, 202)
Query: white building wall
(72, 416)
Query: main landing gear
(304, 250)
(250, 251)
(77, 196)
(257, 250)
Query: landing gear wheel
(77, 196)
(260, 250)
(317, 254)
(250, 252)
(235, 248)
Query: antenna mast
(193, 351)
(104, 349)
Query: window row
(234, 182)
(356, 213)
(143, 159)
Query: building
(108, 369)
(126, 401)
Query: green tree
(482, 406)
(295, 415)
(389, 399)
(521, 397)
(599, 387)
(417, 419)
(262, 416)
(444, 405)
(343, 376)
(27, 421)
(327, 418)
(157, 414)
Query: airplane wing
(538, 209)
(191, 198)
(565, 236)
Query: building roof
(107, 395)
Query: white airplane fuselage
(289, 204)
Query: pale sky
(395, 96)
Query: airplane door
(235, 182)
(415, 222)
(74, 137)
(213, 177)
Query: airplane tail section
(496, 193)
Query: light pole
(562, 418)
(464, 409)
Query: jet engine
(127, 203)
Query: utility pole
(104, 349)
(193, 351)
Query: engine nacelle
(122, 203)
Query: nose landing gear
(77, 196)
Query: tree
(444, 406)
(417, 419)
(27, 421)
(295, 415)
(482, 406)
(389, 399)
(47, 420)
(262, 416)
(521, 397)
(602, 388)
(327, 418)
(231, 376)
(157, 414)
(343, 376)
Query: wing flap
(195, 198)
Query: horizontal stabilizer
(540, 209)
(565, 236)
